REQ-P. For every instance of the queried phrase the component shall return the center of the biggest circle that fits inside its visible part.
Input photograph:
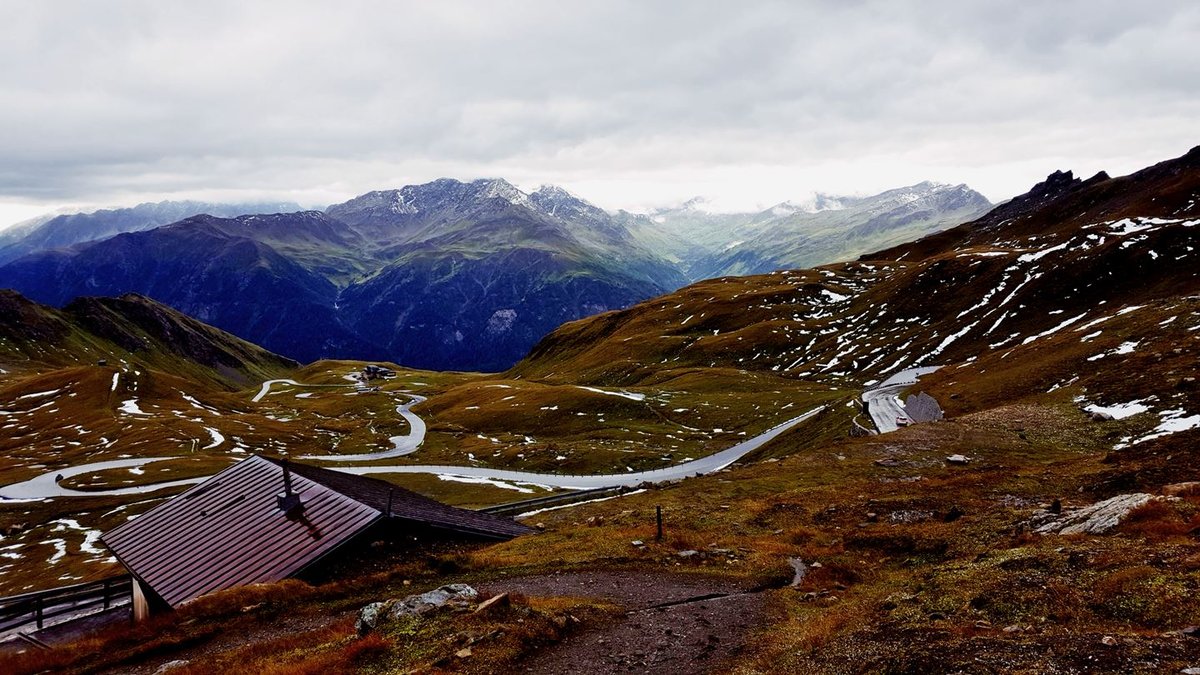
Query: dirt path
(673, 623)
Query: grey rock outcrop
(1098, 518)
(449, 596)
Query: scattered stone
(688, 553)
(1190, 671)
(368, 617)
(463, 653)
(1191, 631)
(1101, 417)
(953, 514)
(637, 542)
(1095, 519)
(170, 665)
(959, 460)
(1056, 506)
(872, 517)
(909, 516)
(801, 570)
(1013, 629)
(983, 624)
(887, 462)
(1108, 641)
(495, 601)
(937, 616)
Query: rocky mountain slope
(49, 232)
(128, 332)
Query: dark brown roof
(409, 505)
(228, 531)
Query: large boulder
(451, 595)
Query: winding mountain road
(47, 485)
(401, 445)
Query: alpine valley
(445, 275)
(750, 517)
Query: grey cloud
(106, 99)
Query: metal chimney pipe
(287, 478)
(287, 500)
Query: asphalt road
(401, 445)
(883, 403)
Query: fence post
(658, 517)
(37, 603)
(106, 584)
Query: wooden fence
(38, 607)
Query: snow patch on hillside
(1121, 410)
(130, 407)
(1172, 421)
(623, 394)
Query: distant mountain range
(444, 275)
(59, 231)
(789, 235)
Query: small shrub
(1156, 519)
(365, 650)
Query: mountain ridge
(64, 230)
(449, 274)
(132, 330)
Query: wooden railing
(38, 607)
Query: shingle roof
(229, 531)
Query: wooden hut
(265, 520)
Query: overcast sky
(628, 104)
